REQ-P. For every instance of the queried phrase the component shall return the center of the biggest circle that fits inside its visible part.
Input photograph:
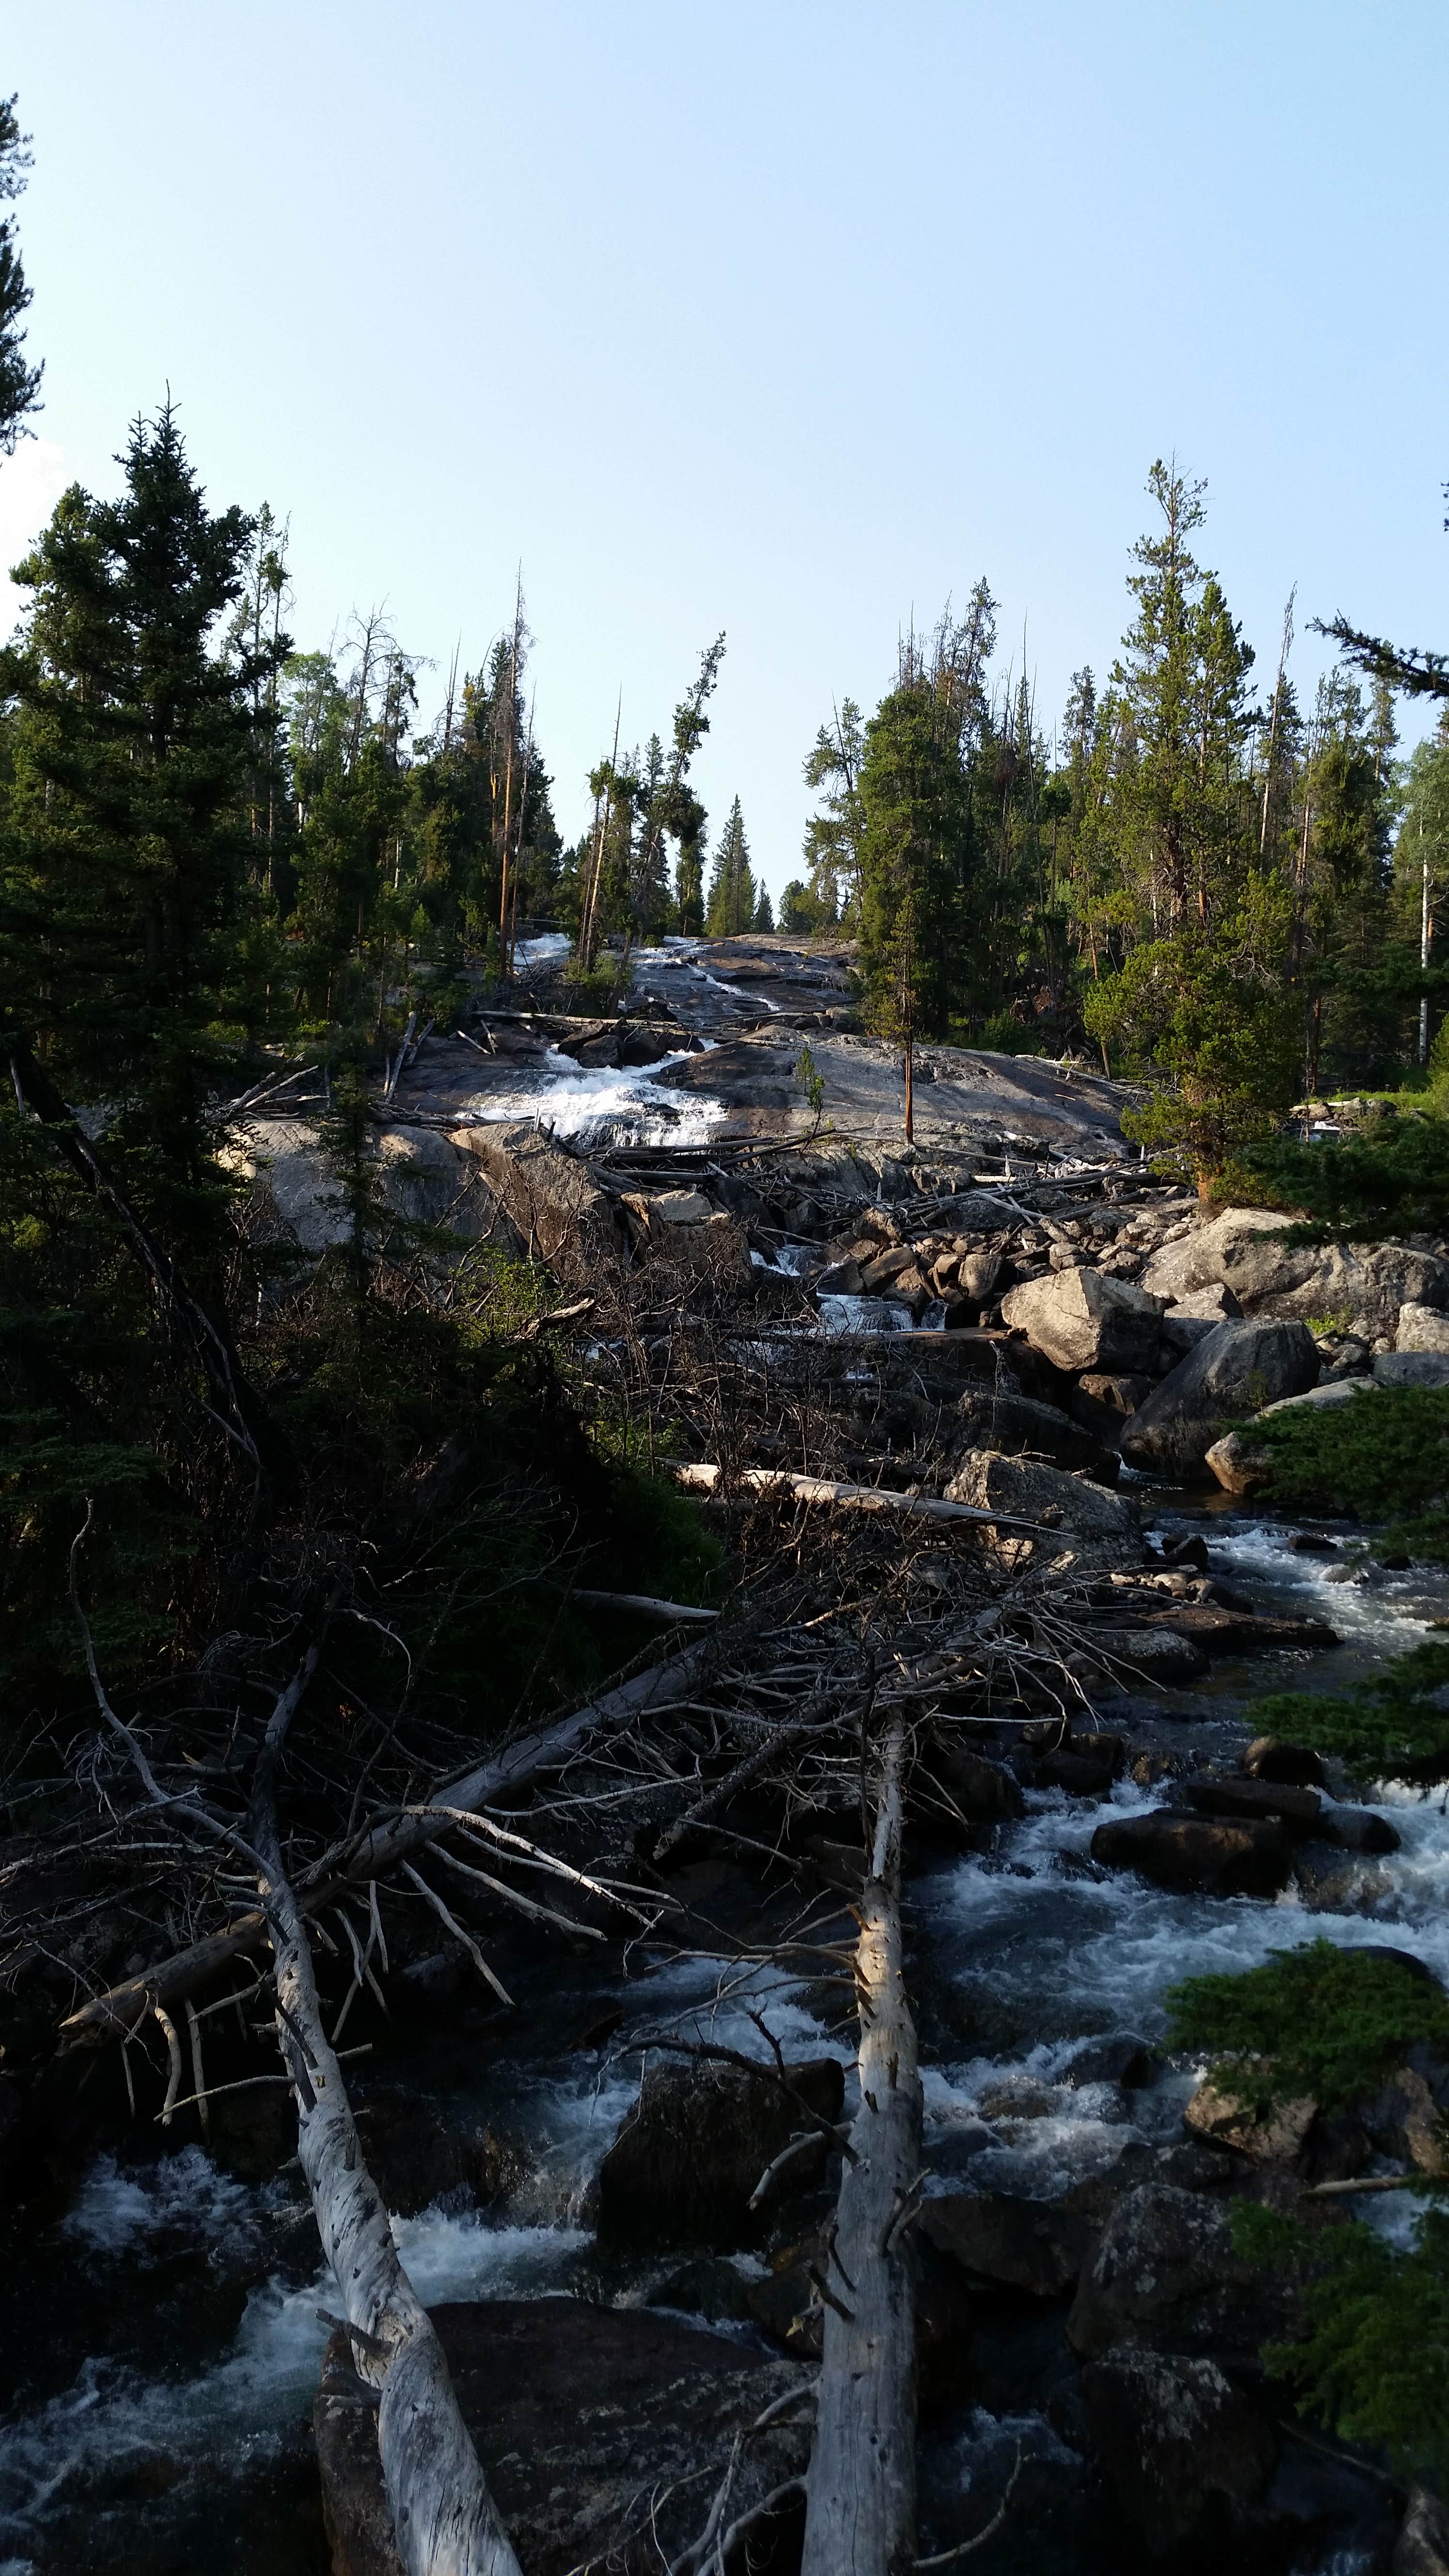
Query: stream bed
(157, 2417)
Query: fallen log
(860, 2512)
(111, 2015)
(703, 1478)
(444, 2520)
(643, 1605)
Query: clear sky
(786, 319)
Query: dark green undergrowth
(1372, 2365)
(1384, 1457)
(1390, 1728)
(1315, 2021)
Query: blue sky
(789, 320)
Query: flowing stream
(158, 2414)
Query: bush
(1373, 2364)
(1318, 2021)
(1389, 1728)
(1384, 1456)
(1391, 1179)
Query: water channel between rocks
(165, 2342)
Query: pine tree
(915, 855)
(19, 383)
(764, 909)
(732, 884)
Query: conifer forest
(724, 1613)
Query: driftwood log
(860, 2512)
(703, 1477)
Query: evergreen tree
(764, 909)
(732, 884)
(832, 837)
(19, 383)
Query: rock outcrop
(1242, 1250)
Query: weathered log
(444, 2520)
(109, 2015)
(703, 1477)
(860, 2517)
(643, 1605)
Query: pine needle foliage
(1392, 1727)
(1390, 1180)
(1317, 2021)
(1384, 1457)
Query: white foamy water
(630, 1101)
(548, 949)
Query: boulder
(1411, 1368)
(1421, 1328)
(1148, 1654)
(688, 2156)
(1085, 1768)
(1044, 1494)
(1243, 1632)
(1269, 1758)
(1038, 2246)
(1241, 1249)
(1422, 2547)
(981, 1790)
(680, 1207)
(1078, 1319)
(1229, 2120)
(1238, 1468)
(599, 2430)
(1165, 2277)
(841, 1279)
(1181, 1333)
(1018, 1426)
(1101, 1402)
(1358, 1829)
(977, 1275)
(1327, 1397)
(1297, 1810)
(1182, 2449)
(1196, 1856)
(1214, 1304)
(1238, 1369)
(296, 1196)
(558, 1211)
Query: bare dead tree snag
(444, 2519)
(861, 2491)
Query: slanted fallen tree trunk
(112, 2014)
(702, 1478)
(860, 2517)
(444, 2520)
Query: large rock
(1080, 1319)
(981, 1790)
(1196, 1856)
(557, 1210)
(1165, 2277)
(296, 1193)
(1422, 2547)
(1238, 1369)
(1044, 1494)
(1181, 2448)
(1019, 1426)
(1412, 1368)
(1241, 1249)
(690, 2153)
(1038, 2246)
(1422, 1328)
(602, 2433)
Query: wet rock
(689, 2154)
(1297, 1810)
(1238, 1369)
(1411, 1368)
(1330, 1881)
(599, 2430)
(1085, 1768)
(1422, 2547)
(1191, 1856)
(1080, 1319)
(1018, 1425)
(1121, 2059)
(1037, 2246)
(1029, 1491)
(842, 1279)
(1405, 2119)
(1268, 1757)
(1358, 1829)
(1313, 1543)
(1231, 2120)
(1218, 1631)
(1165, 2276)
(1183, 2451)
(1150, 1655)
(416, 2159)
(1421, 1328)
(982, 1790)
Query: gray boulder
(1421, 1328)
(1165, 2277)
(1019, 1426)
(1079, 1319)
(1197, 1855)
(1214, 1304)
(1044, 1494)
(1242, 1249)
(1180, 2446)
(1411, 1368)
(1422, 2547)
(1237, 1370)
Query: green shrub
(1392, 1178)
(1389, 1728)
(1384, 1456)
(1319, 2021)
(1373, 2364)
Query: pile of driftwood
(831, 1696)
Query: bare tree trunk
(860, 2515)
(444, 2520)
(910, 1093)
